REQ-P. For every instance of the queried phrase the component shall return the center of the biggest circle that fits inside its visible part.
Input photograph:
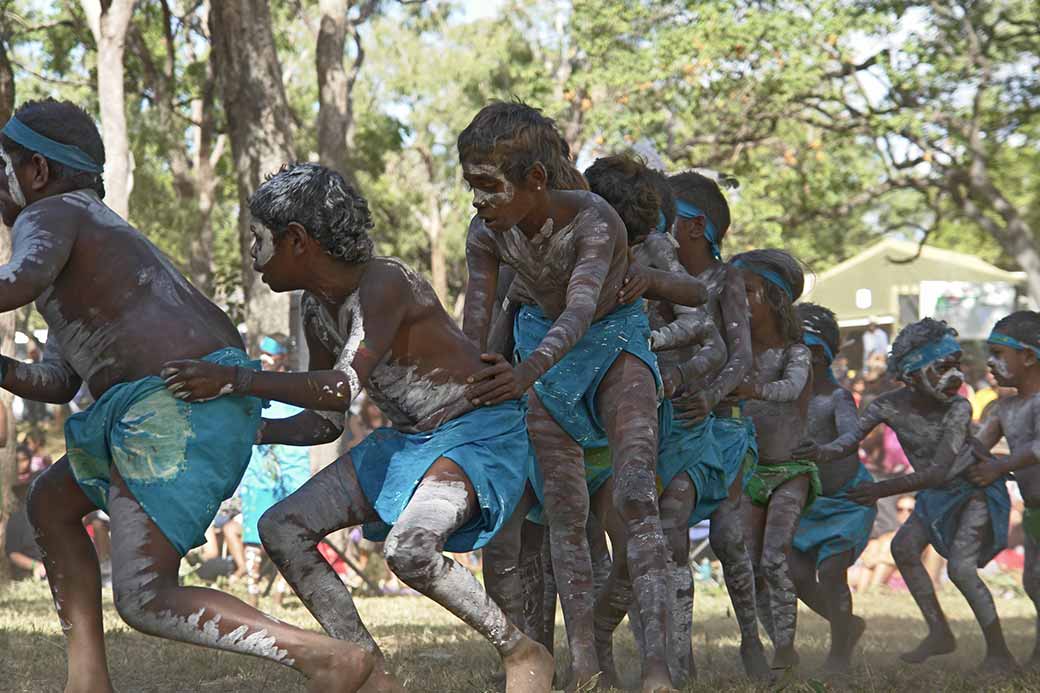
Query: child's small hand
(197, 381)
(671, 378)
(636, 282)
(985, 472)
(806, 450)
(745, 391)
(693, 408)
(864, 494)
(495, 384)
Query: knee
(832, 576)
(904, 554)
(133, 598)
(413, 555)
(279, 531)
(773, 562)
(726, 542)
(635, 495)
(962, 572)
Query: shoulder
(388, 279)
(594, 214)
(65, 213)
(798, 351)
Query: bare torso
(780, 416)
(1020, 422)
(832, 411)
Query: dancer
(777, 394)
(965, 523)
(834, 530)
(586, 365)
(1014, 360)
(159, 467)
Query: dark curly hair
(914, 336)
(516, 137)
(702, 191)
(791, 271)
(625, 183)
(322, 202)
(821, 322)
(664, 191)
(65, 122)
(1023, 325)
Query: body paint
(482, 199)
(13, 186)
(351, 310)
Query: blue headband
(767, 274)
(813, 339)
(928, 354)
(1009, 341)
(687, 210)
(271, 346)
(67, 154)
(662, 222)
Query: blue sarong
(568, 389)
(835, 524)
(940, 509)
(274, 472)
(738, 443)
(489, 444)
(180, 460)
(695, 451)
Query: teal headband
(688, 210)
(928, 354)
(271, 346)
(767, 274)
(1009, 341)
(813, 339)
(662, 222)
(67, 154)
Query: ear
(298, 238)
(39, 173)
(537, 178)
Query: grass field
(432, 652)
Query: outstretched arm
(848, 442)
(41, 244)
(51, 380)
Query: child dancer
(965, 523)
(834, 530)
(777, 394)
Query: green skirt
(767, 478)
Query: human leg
(907, 545)
(627, 404)
(1031, 583)
(148, 597)
(677, 503)
(56, 507)
(443, 502)
(974, 529)
(502, 566)
(846, 629)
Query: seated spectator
(36, 440)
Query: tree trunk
(249, 75)
(333, 86)
(9, 437)
(207, 152)
(109, 26)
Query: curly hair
(821, 322)
(625, 183)
(65, 122)
(517, 137)
(914, 336)
(322, 202)
(702, 191)
(1023, 325)
(791, 271)
(664, 191)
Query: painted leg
(549, 593)
(785, 508)
(614, 599)
(677, 503)
(907, 546)
(846, 629)
(148, 597)
(727, 537)
(973, 530)
(1031, 583)
(56, 508)
(444, 502)
(566, 503)
(502, 556)
(627, 404)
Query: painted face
(12, 199)
(1008, 365)
(273, 266)
(757, 301)
(499, 203)
(940, 380)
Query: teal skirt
(940, 509)
(180, 460)
(834, 524)
(489, 444)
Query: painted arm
(595, 248)
(41, 244)
(52, 380)
(678, 288)
(482, 262)
(1025, 455)
(847, 443)
(846, 416)
(736, 331)
(710, 355)
(792, 383)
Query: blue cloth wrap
(738, 445)
(568, 389)
(490, 445)
(1009, 341)
(940, 508)
(767, 274)
(67, 154)
(180, 460)
(688, 210)
(834, 524)
(274, 472)
(927, 354)
(695, 451)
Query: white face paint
(948, 379)
(999, 367)
(12, 180)
(263, 245)
(485, 199)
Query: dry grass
(432, 652)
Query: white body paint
(484, 199)
(12, 180)
(998, 366)
(264, 240)
(351, 310)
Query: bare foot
(529, 668)
(998, 664)
(839, 662)
(584, 681)
(81, 687)
(931, 646)
(657, 680)
(753, 656)
(381, 681)
(785, 658)
(343, 670)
